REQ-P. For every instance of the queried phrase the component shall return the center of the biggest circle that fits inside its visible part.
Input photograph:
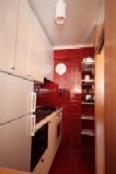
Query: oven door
(39, 144)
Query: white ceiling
(81, 17)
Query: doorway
(74, 155)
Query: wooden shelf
(87, 132)
(88, 81)
(88, 103)
(88, 63)
(88, 93)
(87, 117)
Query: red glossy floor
(74, 157)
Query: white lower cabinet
(45, 162)
(15, 144)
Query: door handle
(32, 125)
(33, 102)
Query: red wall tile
(72, 59)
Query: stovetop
(42, 112)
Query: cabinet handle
(29, 75)
(49, 122)
(32, 125)
(42, 160)
(13, 68)
(33, 102)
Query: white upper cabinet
(41, 52)
(35, 60)
(23, 38)
(48, 62)
(24, 47)
(46, 53)
(8, 31)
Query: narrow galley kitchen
(48, 52)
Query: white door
(15, 94)
(15, 144)
(8, 30)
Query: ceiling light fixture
(60, 13)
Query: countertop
(47, 119)
(11, 171)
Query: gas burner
(42, 112)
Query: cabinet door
(15, 96)
(35, 63)
(15, 144)
(52, 135)
(23, 38)
(8, 27)
(48, 67)
(46, 55)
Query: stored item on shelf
(88, 60)
(87, 77)
(88, 97)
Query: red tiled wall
(47, 94)
(67, 82)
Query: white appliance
(17, 102)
